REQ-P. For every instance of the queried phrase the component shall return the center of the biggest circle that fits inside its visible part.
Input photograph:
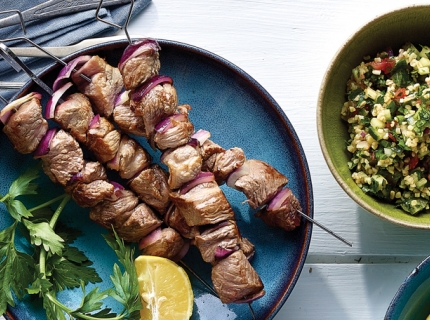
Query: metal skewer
(324, 228)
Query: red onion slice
(221, 253)
(113, 163)
(7, 111)
(117, 190)
(65, 73)
(236, 174)
(95, 122)
(200, 178)
(122, 98)
(150, 239)
(148, 86)
(76, 177)
(44, 144)
(137, 48)
(201, 136)
(279, 199)
(167, 123)
(52, 102)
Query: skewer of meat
(181, 153)
(262, 184)
(118, 151)
(63, 162)
(185, 155)
(162, 238)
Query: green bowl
(393, 29)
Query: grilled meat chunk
(132, 220)
(235, 280)
(210, 148)
(165, 242)
(64, 159)
(103, 139)
(90, 186)
(151, 187)
(140, 223)
(175, 220)
(259, 181)
(203, 204)
(218, 241)
(106, 83)
(247, 247)
(114, 211)
(130, 159)
(75, 115)
(128, 121)
(159, 103)
(144, 65)
(176, 130)
(92, 193)
(219, 161)
(26, 127)
(283, 214)
(92, 171)
(184, 165)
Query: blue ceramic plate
(238, 112)
(412, 300)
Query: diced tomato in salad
(400, 93)
(413, 162)
(385, 65)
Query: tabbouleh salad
(388, 115)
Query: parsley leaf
(71, 269)
(126, 284)
(23, 184)
(92, 301)
(42, 234)
(16, 269)
(17, 209)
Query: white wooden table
(286, 45)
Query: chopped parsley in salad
(388, 116)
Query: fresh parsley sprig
(54, 265)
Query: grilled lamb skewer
(118, 151)
(63, 162)
(174, 155)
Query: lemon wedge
(165, 289)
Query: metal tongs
(50, 9)
(53, 8)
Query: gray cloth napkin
(59, 31)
